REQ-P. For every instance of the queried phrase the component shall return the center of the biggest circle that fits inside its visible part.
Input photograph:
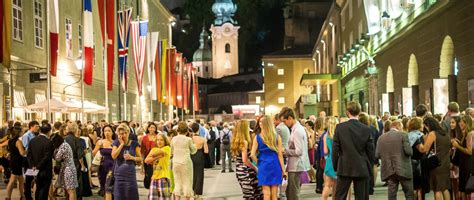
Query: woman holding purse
(438, 142)
(104, 148)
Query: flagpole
(48, 63)
(105, 64)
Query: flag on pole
(110, 40)
(53, 20)
(170, 67)
(6, 26)
(179, 80)
(101, 8)
(139, 33)
(163, 71)
(187, 81)
(88, 42)
(195, 91)
(152, 41)
(157, 66)
(172, 72)
(124, 17)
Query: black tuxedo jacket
(40, 154)
(353, 149)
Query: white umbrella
(89, 107)
(56, 105)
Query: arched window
(227, 48)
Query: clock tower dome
(225, 35)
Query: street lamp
(80, 66)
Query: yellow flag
(164, 77)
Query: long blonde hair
(241, 134)
(331, 125)
(268, 133)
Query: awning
(56, 105)
(319, 79)
(89, 107)
(68, 106)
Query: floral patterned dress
(67, 176)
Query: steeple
(203, 39)
(224, 10)
(204, 52)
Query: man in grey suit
(394, 149)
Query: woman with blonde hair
(160, 158)
(182, 147)
(126, 155)
(329, 172)
(268, 145)
(246, 172)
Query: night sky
(261, 27)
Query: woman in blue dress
(330, 174)
(126, 153)
(270, 154)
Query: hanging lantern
(386, 21)
(407, 4)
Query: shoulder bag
(433, 159)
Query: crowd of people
(272, 155)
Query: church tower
(202, 58)
(225, 35)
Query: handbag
(96, 162)
(304, 178)
(470, 185)
(456, 158)
(433, 159)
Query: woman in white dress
(182, 147)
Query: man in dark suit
(394, 150)
(353, 155)
(40, 156)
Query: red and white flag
(106, 14)
(88, 42)
(139, 33)
(53, 35)
(195, 90)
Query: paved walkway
(224, 186)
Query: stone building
(284, 69)
(325, 77)
(418, 52)
(29, 55)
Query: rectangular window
(69, 38)
(17, 13)
(258, 99)
(281, 86)
(281, 71)
(38, 17)
(281, 100)
(79, 38)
